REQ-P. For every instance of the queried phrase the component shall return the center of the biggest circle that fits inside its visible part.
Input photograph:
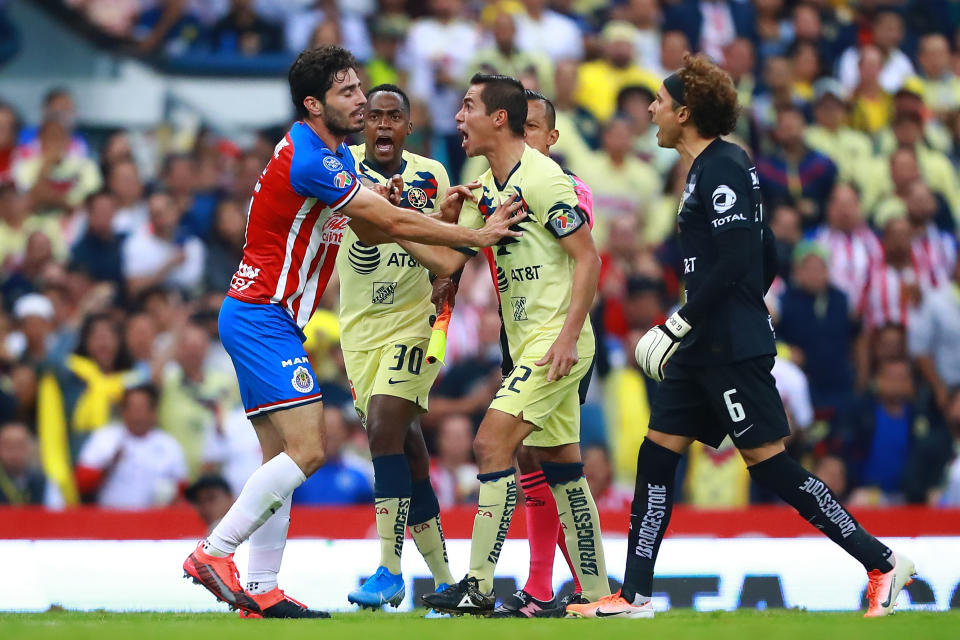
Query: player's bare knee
(309, 461)
(527, 460)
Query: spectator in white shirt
(934, 251)
(549, 32)
(123, 181)
(646, 17)
(439, 48)
(853, 247)
(299, 27)
(158, 254)
(133, 465)
(887, 34)
(232, 448)
(794, 391)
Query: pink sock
(543, 527)
(562, 543)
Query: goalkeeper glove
(658, 344)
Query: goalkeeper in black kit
(713, 357)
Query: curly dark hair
(710, 95)
(314, 72)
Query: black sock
(649, 516)
(816, 503)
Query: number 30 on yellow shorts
(396, 369)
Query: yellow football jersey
(384, 291)
(534, 273)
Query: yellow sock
(391, 527)
(428, 537)
(498, 499)
(581, 523)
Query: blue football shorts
(266, 347)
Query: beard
(338, 122)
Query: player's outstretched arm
(400, 224)
(440, 261)
(562, 355)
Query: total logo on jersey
(719, 222)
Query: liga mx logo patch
(417, 197)
(342, 180)
(302, 380)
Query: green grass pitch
(674, 625)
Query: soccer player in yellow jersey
(547, 279)
(384, 330)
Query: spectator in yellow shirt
(621, 183)
(832, 136)
(941, 88)
(601, 80)
(871, 104)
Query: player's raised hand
(499, 223)
(395, 190)
(561, 356)
(658, 344)
(453, 201)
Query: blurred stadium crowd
(115, 252)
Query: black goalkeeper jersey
(722, 194)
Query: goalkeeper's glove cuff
(676, 327)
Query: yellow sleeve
(443, 184)
(470, 217)
(552, 201)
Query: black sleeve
(769, 258)
(733, 262)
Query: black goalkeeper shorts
(708, 403)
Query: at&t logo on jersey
(302, 380)
(342, 179)
(363, 259)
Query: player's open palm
(561, 356)
(499, 224)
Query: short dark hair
(503, 92)
(148, 388)
(314, 72)
(391, 88)
(551, 110)
(632, 90)
(55, 93)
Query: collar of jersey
(374, 166)
(509, 175)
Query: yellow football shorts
(553, 408)
(397, 369)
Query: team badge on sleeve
(332, 164)
(563, 220)
(342, 180)
(302, 380)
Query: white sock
(266, 551)
(262, 496)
